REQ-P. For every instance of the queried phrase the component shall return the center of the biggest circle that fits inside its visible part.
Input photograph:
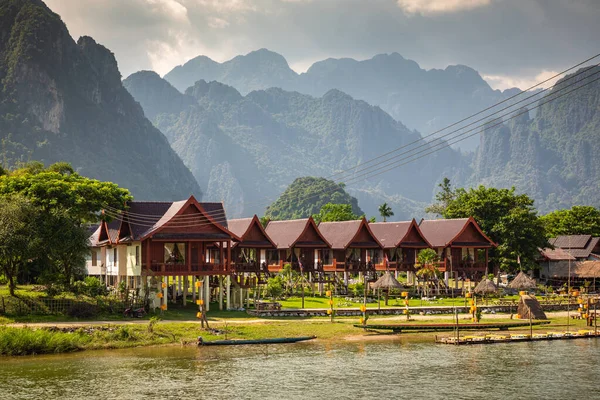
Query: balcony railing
(174, 269)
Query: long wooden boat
(233, 342)
(449, 327)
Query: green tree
(509, 219)
(19, 237)
(59, 187)
(427, 270)
(335, 212)
(66, 245)
(442, 198)
(579, 220)
(385, 211)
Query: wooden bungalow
(250, 253)
(299, 243)
(401, 242)
(462, 246)
(354, 247)
(180, 238)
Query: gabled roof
(143, 219)
(242, 227)
(286, 234)
(395, 234)
(571, 241)
(108, 232)
(557, 254)
(342, 234)
(579, 246)
(94, 232)
(443, 232)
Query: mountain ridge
(62, 100)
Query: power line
(149, 218)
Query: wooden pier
(513, 338)
(397, 328)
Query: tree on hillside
(579, 220)
(442, 198)
(509, 219)
(19, 238)
(305, 197)
(385, 211)
(335, 212)
(59, 187)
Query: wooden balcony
(167, 269)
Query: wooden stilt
(220, 293)
(186, 283)
(228, 289)
(194, 289)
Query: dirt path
(398, 318)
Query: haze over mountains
(245, 148)
(64, 101)
(425, 100)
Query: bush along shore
(45, 339)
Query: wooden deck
(450, 327)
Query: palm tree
(385, 211)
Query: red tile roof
(341, 234)
(392, 234)
(286, 233)
(241, 227)
(146, 217)
(442, 232)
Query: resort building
(574, 258)
(462, 247)
(167, 242)
(299, 243)
(354, 248)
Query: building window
(137, 255)
(272, 257)
(115, 256)
(94, 258)
(174, 253)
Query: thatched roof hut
(486, 286)
(387, 281)
(522, 281)
(528, 305)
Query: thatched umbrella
(486, 286)
(387, 281)
(522, 281)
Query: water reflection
(395, 369)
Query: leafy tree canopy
(335, 212)
(19, 238)
(305, 197)
(507, 218)
(579, 220)
(60, 187)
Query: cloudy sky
(510, 42)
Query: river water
(320, 370)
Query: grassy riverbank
(40, 339)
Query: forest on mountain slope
(64, 101)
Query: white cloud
(503, 82)
(217, 23)
(170, 8)
(427, 7)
